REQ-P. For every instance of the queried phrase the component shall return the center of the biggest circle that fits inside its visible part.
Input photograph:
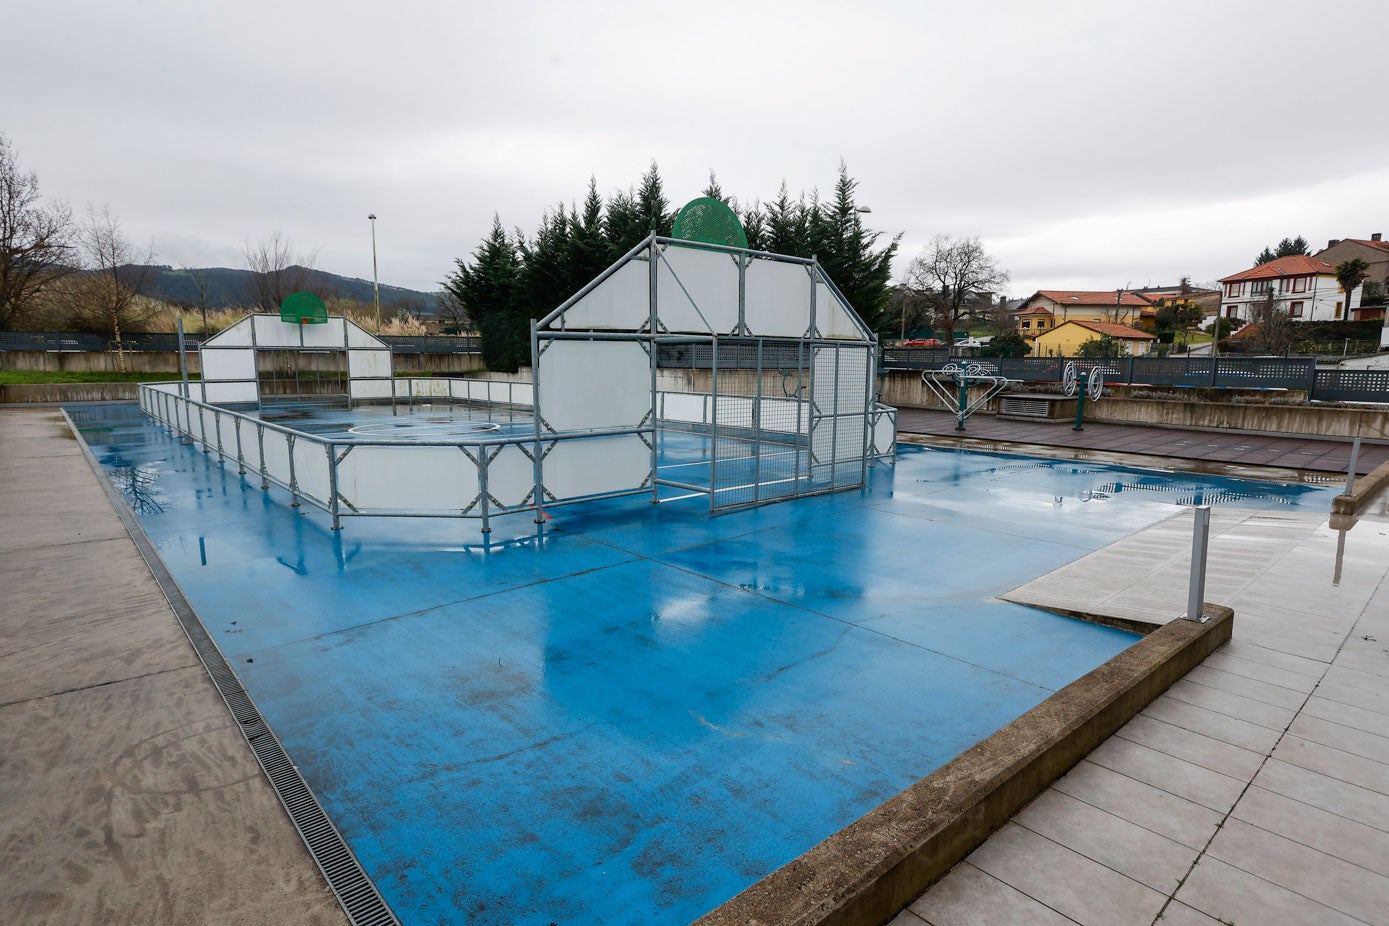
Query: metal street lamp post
(375, 286)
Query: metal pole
(757, 432)
(293, 476)
(333, 486)
(713, 423)
(653, 320)
(537, 467)
(375, 286)
(964, 402)
(182, 357)
(1350, 471)
(1200, 543)
(1083, 385)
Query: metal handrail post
(260, 445)
(240, 460)
(757, 432)
(1200, 544)
(714, 423)
(332, 485)
(293, 475)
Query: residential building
(1049, 308)
(1304, 287)
(1065, 339)
(1374, 251)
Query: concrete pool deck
(1244, 452)
(27, 445)
(1256, 790)
(126, 792)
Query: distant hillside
(227, 287)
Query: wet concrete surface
(127, 795)
(1218, 447)
(637, 711)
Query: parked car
(924, 342)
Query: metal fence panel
(1173, 371)
(1352, 386)
(1031, 369)
(915, 358)
(1265, 372)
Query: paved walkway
(1232, 447)
(1256, 790)
(127, 795)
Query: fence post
(332, 486)
(1200, 544)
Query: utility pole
(375, 286)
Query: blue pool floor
(634, 712)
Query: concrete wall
(69, 392)
(167, 362)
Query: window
(1260, 286)
(1300, 284)
(1295, 310)
(1026, 324)
(1233, 289)
(1230, 311)
(1338, 310)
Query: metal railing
(1284, 373)
(376, 477)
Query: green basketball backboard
(709, 221)
(303, 308)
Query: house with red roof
(1049, 308)
(1304, 287)
(1066, 338)
(1374, 251)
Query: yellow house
(1048, 309)
(1065, 339)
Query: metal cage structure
(741, 324)
(755, 360)
(233, 360)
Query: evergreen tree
(487, 292)
(1291, 247)
(1264, 257)
(787, 225)
(844, 248)
(592, 252)
(625, 226)
(713, 190)
(547, 267)
(653, 205)
(755, 227)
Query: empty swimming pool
(633, 711)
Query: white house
(1304, 287)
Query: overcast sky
(1089, 144)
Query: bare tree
(451, 313)
(35, 241)
(277, 270)
(953, 272)
(108, 294)
(202, 285)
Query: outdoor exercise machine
(965, 374)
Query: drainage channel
(349, 882)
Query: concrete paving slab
(1231, 895)
(127, 793)
(969, 896)
(1346, 839)
(1196, 748)
(1159, 811)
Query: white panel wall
(230, 393)
(832, 316)
(229, 363)
(885, 434)
(594, 384)
(369, 388)
(368, 363)
(621, 302)
(277, 455)
(697, 291)
(843, 391)
(596, 465)
(238, 335)
(408, 479)
(510, 476)
(778, 299)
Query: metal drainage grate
(360, 899)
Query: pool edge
(866, 873)
(346, 878)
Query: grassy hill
(227, 287)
